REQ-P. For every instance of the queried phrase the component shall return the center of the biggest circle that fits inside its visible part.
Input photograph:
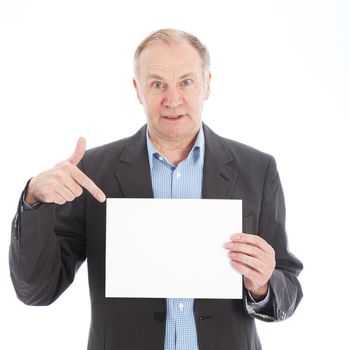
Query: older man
(61, 217)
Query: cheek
(196, 99)
(152, 105)
(196, 102)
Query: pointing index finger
(88, 184)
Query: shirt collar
(197, 151)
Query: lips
(173, 117)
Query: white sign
(171, 248)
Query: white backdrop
(280, 83)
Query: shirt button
(160, 158)
(181, 306)
(178, 174)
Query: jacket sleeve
(285, 288)
(47, 248)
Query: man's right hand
(64, 182)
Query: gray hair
(169, 36)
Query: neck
(174, 150)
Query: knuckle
(57, 176)
(250, 250)
(260, 265)
(64, 169)
(256, 240)
(273, 253)
(65, 165)
(241, 257)
(273, 265)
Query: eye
(187, 82)
(158, 85)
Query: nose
(172, 97)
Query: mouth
(174, 117)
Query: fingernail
(227, 245)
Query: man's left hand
(254, 258)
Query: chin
(179, 133)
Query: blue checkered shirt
(181, 181)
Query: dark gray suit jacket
(49, 244)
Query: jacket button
(204, 317)
(159, 316)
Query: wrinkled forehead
(169, 60)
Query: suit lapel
(134, 173)
(219, 175)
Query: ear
(137, 90)
(207, 88)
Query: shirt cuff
(25, 206)
(258, 306)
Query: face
(172, 88)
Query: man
(61, 217)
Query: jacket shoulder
(236, 150)
(242, 150)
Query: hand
(64, 182)
(254, 258)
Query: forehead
(169, 59)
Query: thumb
(79, 151)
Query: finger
(251, 239)
(59, 199)
(65, 193)
(228, 245)
(248, 249)
(88, 184)
(55, 198)
(73, 186)
(249, 261)
(79, 151)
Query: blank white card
(171, 248)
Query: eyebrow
(187, 75)
(154, 76)
(158, 77)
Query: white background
(280, 83)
